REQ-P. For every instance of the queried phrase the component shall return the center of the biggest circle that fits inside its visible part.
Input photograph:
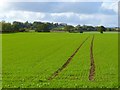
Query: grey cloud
(61, 7)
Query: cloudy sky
(89, 13)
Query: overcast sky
(89, 13)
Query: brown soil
(67, 62)
(92, 67)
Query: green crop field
(60, 60)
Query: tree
(101, 29)
(17, 26)
(90, 28)
(28, 25)
(69, 28)
(39, 28)
(79, 28)
(43, 28)
(7, 27)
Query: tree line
(48, 27)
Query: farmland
(59, 60)
(0, 61)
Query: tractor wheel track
(67, 62)
(92, 63)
